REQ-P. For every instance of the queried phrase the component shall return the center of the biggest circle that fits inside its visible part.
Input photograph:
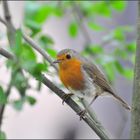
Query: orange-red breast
(82, 77)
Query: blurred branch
(79, 18)
(5, 53)
(10, 29)
(93, 124)
(1, 20)
(135, 120)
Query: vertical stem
(10, 29)
(3, 106)
(135, 120)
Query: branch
(93, 124)
(79, 18)
(38, 49)
(10, 29)
(135, 120)
(33, 44)
(2, 108)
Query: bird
(83, 78)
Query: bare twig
(1, 20)
(5, 53)
(10, 29)
(93, 124)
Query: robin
(83, 78)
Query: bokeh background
(105, 32)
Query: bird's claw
(66, 96)
(82, 114)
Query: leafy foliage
(2, 135)
(3, 98)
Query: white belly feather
(89, 90)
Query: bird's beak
(57, 61)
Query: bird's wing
(98, 77)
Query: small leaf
(73, 29)
(96, 49)
(45, 40)
(31, 100)
(101, 8)
(131, 47)
(51, 52)
(118, 5)
(118, 34)
(2, 135)
(18, 104)
(95, 27)
(128, 73)
(119, 67)
(3, 98)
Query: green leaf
(73, 29)
(118, 5)
(34, 26)
(2, 135)
(118, 34)
(95, 27)
(37, 69)
(96, 49)
(101, 8)
(119, 67)
(51, 52)
(18, 43)
(3, 98)
(45, 40)
(31, 100)
(131, 47)
(129, 73)
(18, 104)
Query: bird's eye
(68, 56)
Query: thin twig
(38, 49)
(2, 108)
(1, 20)
(5, 53)
(94, 117)
(34, 45)
(10, 29)
(93, 124)
(79, 18)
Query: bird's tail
(124, 104)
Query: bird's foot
(66, 96)
(82, 114)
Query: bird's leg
(82, 113)
(66, 96)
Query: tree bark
(135, 120)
